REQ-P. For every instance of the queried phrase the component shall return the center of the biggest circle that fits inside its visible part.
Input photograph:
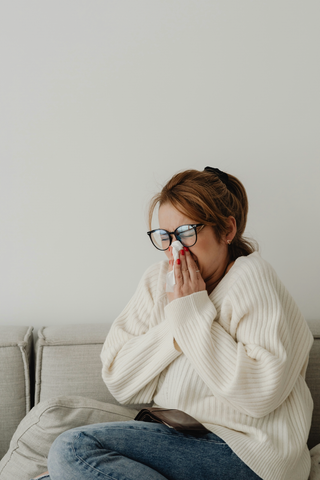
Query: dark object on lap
(180, 421)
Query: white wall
(101, 102)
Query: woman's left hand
(187, 275)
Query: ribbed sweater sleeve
(139, 346)
(254, 365)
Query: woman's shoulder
(253, 264)
(256, 289)
(253, 273)
(256, 282)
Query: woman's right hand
(187, 275)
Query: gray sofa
(59, 378)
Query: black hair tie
(221, 175)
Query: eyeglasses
(186, 234)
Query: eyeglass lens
(186, 234)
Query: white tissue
(171, 281)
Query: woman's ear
(232, 230)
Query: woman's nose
(174, 238)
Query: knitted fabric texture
(242, 371)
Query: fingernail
(186, 249)
(178, 261)
(182, 252)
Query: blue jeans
(142, 451)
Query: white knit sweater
(242, 371)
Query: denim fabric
(142, 451)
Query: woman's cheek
(195, 259)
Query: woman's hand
(187, 275)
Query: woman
(228, 346)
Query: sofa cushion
(68, 362)
(15, 354)
(29, 447)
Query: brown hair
(203, 197)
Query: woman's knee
(61, 454)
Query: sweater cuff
(195, 308)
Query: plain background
(103, 101)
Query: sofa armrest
(30, 444)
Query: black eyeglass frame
(195, 226)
